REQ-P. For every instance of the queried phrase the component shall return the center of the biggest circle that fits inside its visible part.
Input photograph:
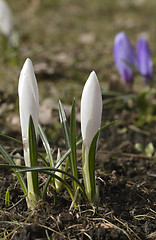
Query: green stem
(85, 171)
(32, 197)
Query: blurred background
(66, 40)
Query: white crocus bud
(91, 109)
(6, 19)
(28, 99)
(28, 105)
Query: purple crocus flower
(124, 56)
(144, 59)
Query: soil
(127, 195)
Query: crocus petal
(6, 19)
(28, 98)
(144, 59)
(91, 109)
(124, 56)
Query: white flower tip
(27, 63)
(26, 69)
(93, 78)
(93, 73)
(28, 60)
(27, 66)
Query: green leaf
(65, 130)
(64, 124)
(46, 145)
(62, 181)
(139, 130)
(139, 147)
(73, 143)
(7, 198)
(117, 97)
(43, 160)
(50, 157)
(149, 150)
(91, 159)
(43, 169)
(11, 162)
(46, 170)
(59, 162)
(88, 160)
(33, 154)
(53, 175)
(107, 125)
(6, 137)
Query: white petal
(91, 109)
(6, 19)
(28, 98)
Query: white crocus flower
(28, 98)
(6, 19)
(28, 105)
(91, 111)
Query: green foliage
(46, 145)
(11, 162)
(91, 169)
(64, 123)
(7, 198)
(54, 168)
(49, 156)
(8, 138)
(73, 143)
(147, 151)
(114, 96)
(65, 130)
(33, 155)
(146, 107)
(88, 161)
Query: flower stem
(32, 196)
(86, 173)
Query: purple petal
(144, 59)
(124, 56)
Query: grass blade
(62, 181)
(49, 154)
(46, 170)
(64, 124)
(107, 125)
(73, 143)
(7, 198)
(91, 159)
(6, 137)
(11, 162)
(59, 162)
(33, 154)
(65, 130)
(43, 169)
(46, 145)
